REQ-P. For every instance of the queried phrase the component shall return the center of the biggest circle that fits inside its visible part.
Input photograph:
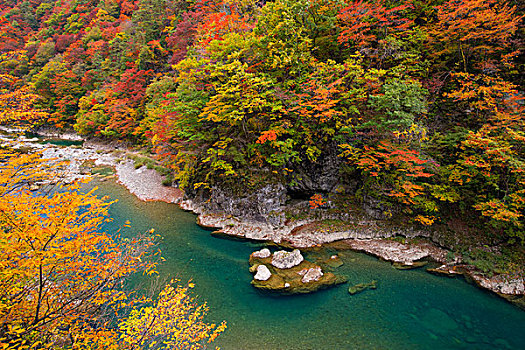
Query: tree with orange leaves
(474, 30)
(490, 167)
(169, 324)
(61, 278)
(398, 174)
(364, 23)
(17, 104)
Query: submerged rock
(285, 260)
(263, 274)
(438, 321)
(362, 286)
(518, 300)
(334, 261)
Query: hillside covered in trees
(414, 106)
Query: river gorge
(406, 309)
(410, 309)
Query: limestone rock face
(263, 205)
(263, 274)
(396, 252)
(285, 260)
(515, 286)
(321, 175)
(261, 254)
(312, 275)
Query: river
(409, 309)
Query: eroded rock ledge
(362, 233)
(397, 252)
(296, 233)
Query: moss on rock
(290, 280)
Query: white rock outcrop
(263, 274)
(311, 275)
(262, 254)
(498, 284)
(285, 260)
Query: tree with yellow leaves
(175, 322)
(57, 270)
(61, 277)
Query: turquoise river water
(409, 309)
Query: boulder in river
(311, 275)
(334, 261)
(297, 275)
(263, 253)
(263, 274)
(285, 260)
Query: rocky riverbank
(146, 183)
(349, 230)
(265, 216)
(80, 161)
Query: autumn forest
(416, 106)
